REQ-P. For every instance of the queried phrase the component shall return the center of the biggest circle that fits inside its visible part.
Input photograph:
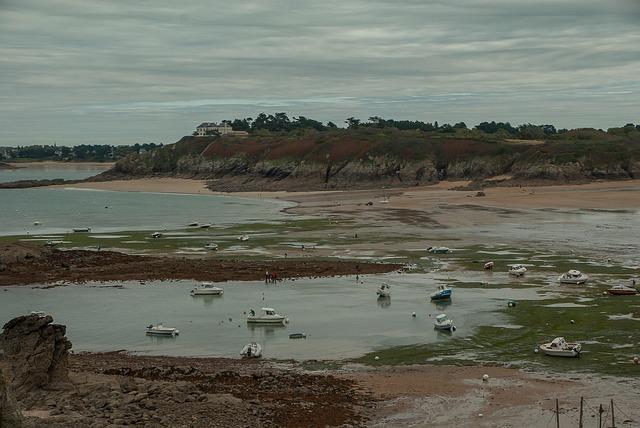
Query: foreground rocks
(26, 264)
(9, 415)
(35, 352)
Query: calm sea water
(342, 319)
(50, 171)
(60, 210)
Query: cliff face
(371, 158)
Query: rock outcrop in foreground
(36, 353)
(9, 414)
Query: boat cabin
(441, 318)
(269, 311)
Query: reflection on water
(342, 320)
(384, 302)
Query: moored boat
(193, 224)
(384, 291)
(622, 290)
(573, 277)
(559, 347)
(243, 238)
(298, 336)
(442, 293)
(439, 250)
(489, 265)
(156, 235)
(160, 330)
(211, 246)
(268, 316)
(443, 322)
(81, 229)
(517, 270)
(207, 289)
(205, 226)
(251, 350)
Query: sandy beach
(597, 195)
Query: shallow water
(59, 210)
(342, 319)
(49, 172)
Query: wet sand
(62, 165)
(597, 195)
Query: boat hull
(441, 296)
(622, 292)
(561, 353)
(163, 332)
(207, 292)
(258, 320)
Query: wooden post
(613, 416)
(600, 416)
(557, 414)
(581, 405)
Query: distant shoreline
(59, 164)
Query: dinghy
(558, 347)
(443, 323)
(160, 330)
(243, 238)
(622, 290)
(156, 235)
(251, 350)
(81, 229)
(298, 336)
(384, 291)
(268, 316)
(489, 265)
(573, 277)
(207, 289)
(517, 270)
(439, 250)
(442, 293)
(211, 246)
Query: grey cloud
(122, 71)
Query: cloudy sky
(121, 71)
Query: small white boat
(384, 291)
(443, 322)
(52, 243)
(439, 250)
(489, 265)
(81, 229)
(243, 238)
(251, 350)
(517, 270)
(207, 289)
(558, 347)
(205, 226)
(573, 277)
(160, 330)
(36, 223)
(156, 235)
(211, 246)
(268, 316)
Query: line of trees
(280, 122)
(82, 152)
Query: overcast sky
(122, 71)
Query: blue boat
(442, 293)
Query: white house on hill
(210, 128)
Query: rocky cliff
(9, 415)
(372, 158)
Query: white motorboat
(160, 330)
(243, 238)
(156, 235)
(81, 229)
(443, 322)
(573, 277)
(207, 289)
(211, 246)
(558, 347)
(439, 250)
(384, 291)
(268, 316)
(251, 350)
(517, 270)
(622, 290)
(489, 265)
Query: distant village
(207, 129)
